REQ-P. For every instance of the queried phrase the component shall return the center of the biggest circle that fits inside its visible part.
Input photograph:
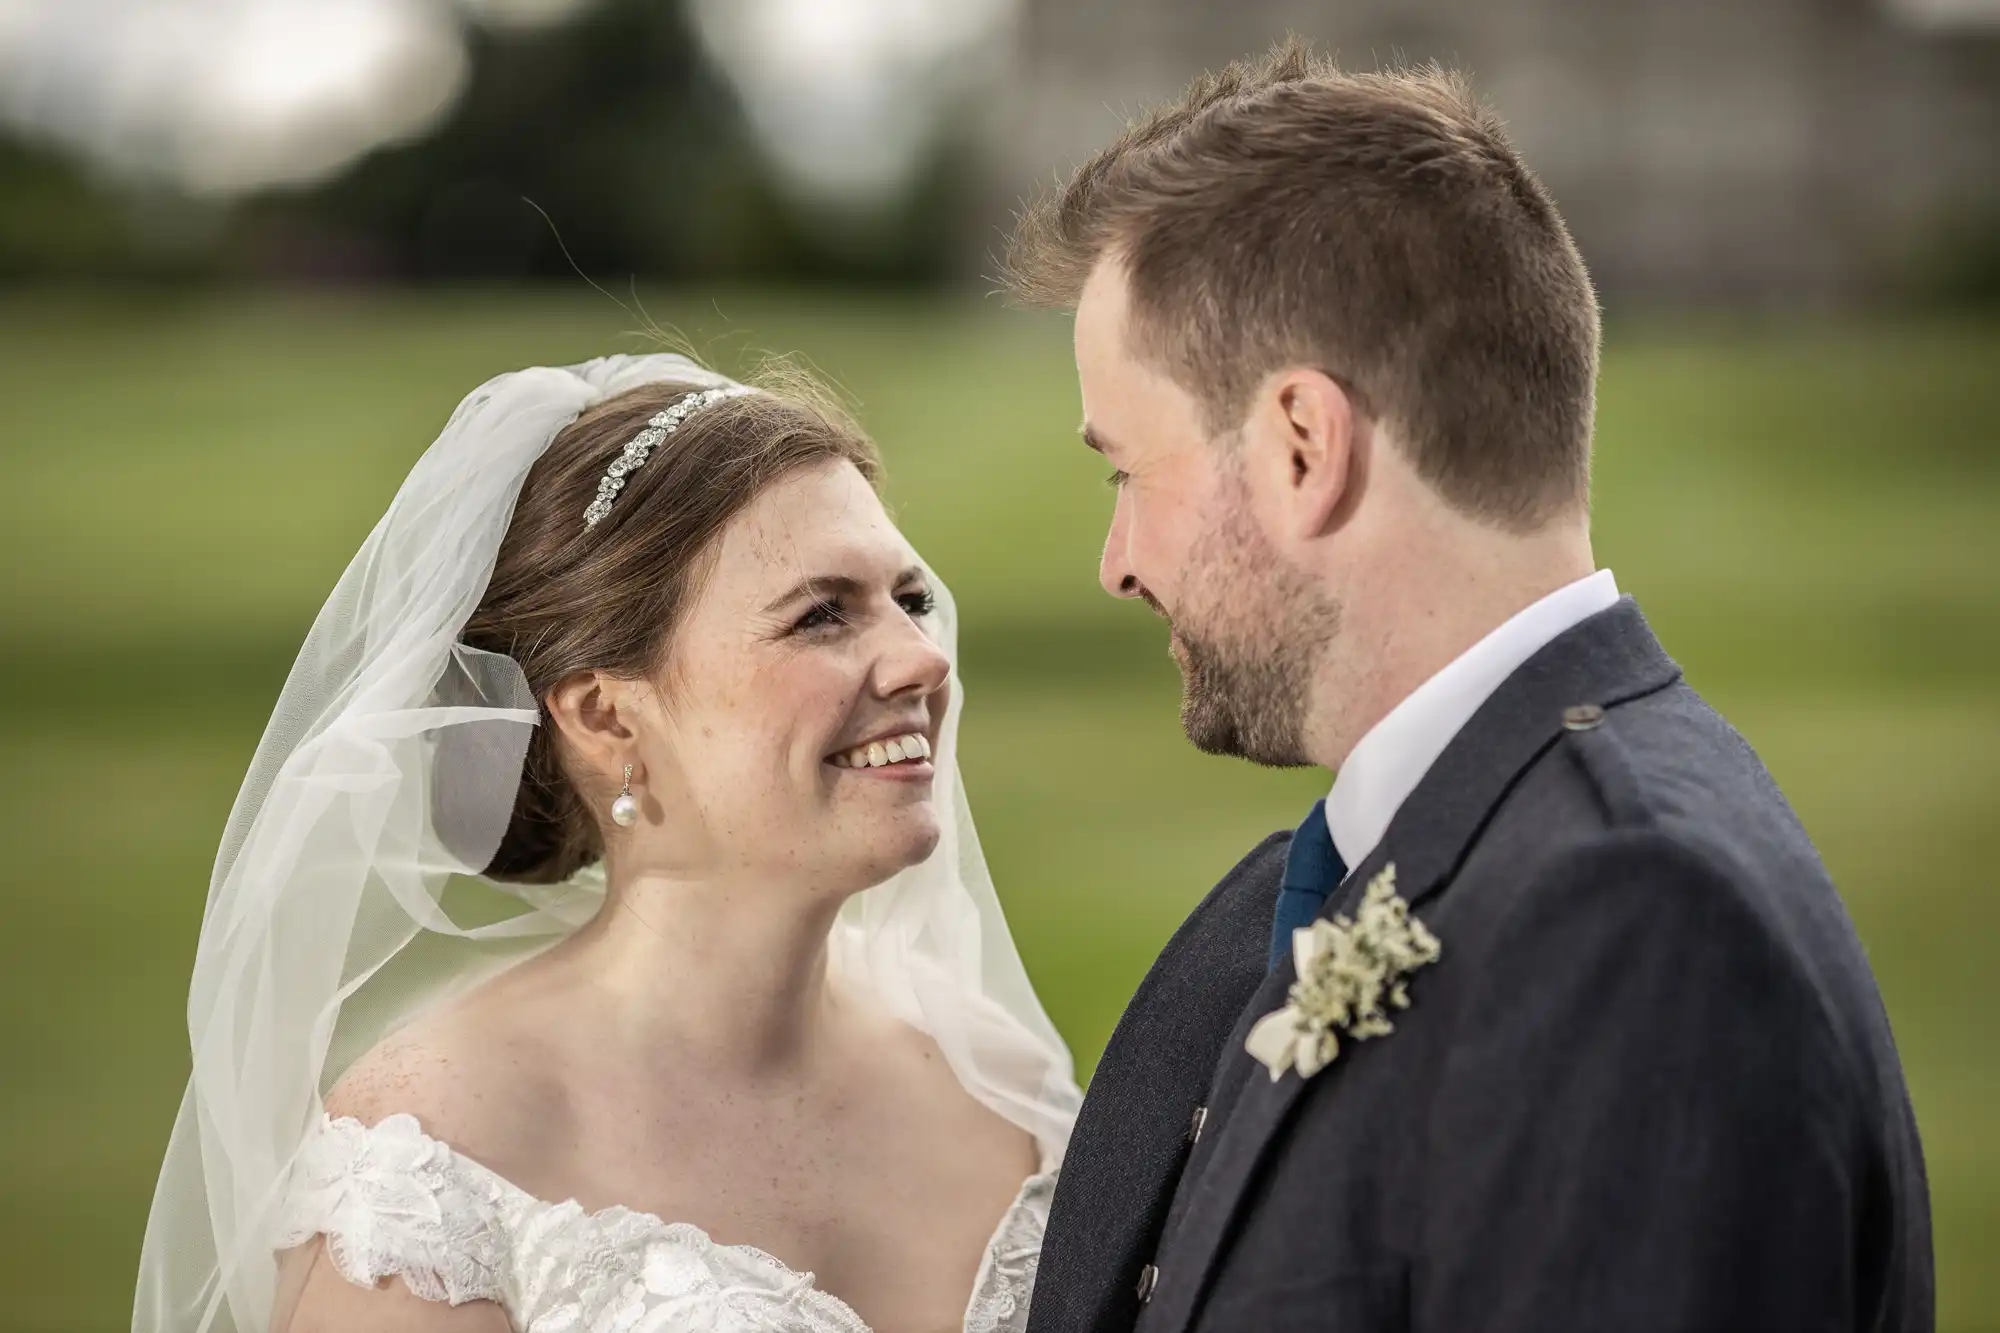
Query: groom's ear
(1306, 432)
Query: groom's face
(1185, 539)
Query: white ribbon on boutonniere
(1351, 974)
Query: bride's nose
(911, 664)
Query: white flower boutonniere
(1351, 973)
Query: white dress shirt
(1388, 763)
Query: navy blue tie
(1313, 869)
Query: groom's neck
(1430, 597)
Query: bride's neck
(737, 969)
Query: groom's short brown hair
(1379, 227)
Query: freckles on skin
(832, 702)
(821, 680)
(775, 697)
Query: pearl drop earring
(625, 810)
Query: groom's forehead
(1113, 383)
(1101, 309)
(1117, 376)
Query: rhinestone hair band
(640, 448)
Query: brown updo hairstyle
(565, 598)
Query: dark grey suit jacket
(1649, 1085)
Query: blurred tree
(58, 222)
(614, 124)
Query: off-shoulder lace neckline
(803, 1281)
(836, 1308)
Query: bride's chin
(924, 846)
(901, 843)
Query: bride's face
(807, 643)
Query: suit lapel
(1130, 1143)
(1609, 659)
(1219, 1183)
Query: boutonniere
(1351, 974)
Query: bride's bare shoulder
(475, 1075)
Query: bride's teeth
(878, 754)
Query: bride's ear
(594, 714)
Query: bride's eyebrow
(826, 587)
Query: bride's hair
(566, 597)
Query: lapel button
(1196, 1124)
(1582, 717)
(1149, 1277)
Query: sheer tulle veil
(386, 776)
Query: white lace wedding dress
(392, 1201)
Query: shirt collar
(1388, 763)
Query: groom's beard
(1247, 643)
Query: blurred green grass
(1810, 515)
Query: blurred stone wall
(1742, 152)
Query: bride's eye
(1117, 479)
(919, 603)
(822, 615)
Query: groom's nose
(1114, 577)
(1114, 571)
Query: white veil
(389, 768)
